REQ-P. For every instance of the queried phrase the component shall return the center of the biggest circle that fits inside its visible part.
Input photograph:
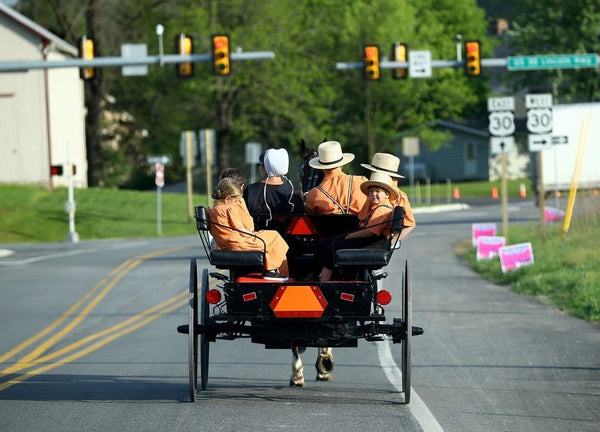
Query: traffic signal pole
(25, 65)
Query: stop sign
(160, 175)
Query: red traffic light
(473, 58)
(371, 62)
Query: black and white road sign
(502, 123)
(539, 121)
(501, 144)
(502, 118)
(538, 142)
(419, 64)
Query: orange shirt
(229, 216)
(372, 217)
(409, 219)
(336, 184)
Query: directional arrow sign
(419, 64)
(562, 139)
(539, 142)
(501, 144)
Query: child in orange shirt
(374, 217)
(226, 212)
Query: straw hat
(383, 181)
(330, 156)
(385, 163)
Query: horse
(310, 178)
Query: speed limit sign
(502, 123)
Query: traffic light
(184, 45)
(400, 54)
(56, 170)
(473, 58)
(86, 52)
(371, 62)
(220, 52)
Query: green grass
(33, 214)
(566, 270)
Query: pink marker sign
(483, 229)
(553, 214)
(489, 246)
(515, 256)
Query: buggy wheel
(192, 332)
(407, 319)
(204, 342)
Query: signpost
(252, 150)
(410, 148)
(539, 125)
(159, 161)
(502, 128)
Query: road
(89, 343)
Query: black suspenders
(339, 206)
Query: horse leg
(324, 364)
(297, 379)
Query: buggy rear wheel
(204, 342)
(192, 330)
(407, 319)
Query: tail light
(384, 297)
(213, 296)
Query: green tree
(557, 27)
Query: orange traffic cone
(456, 193)
(494, 193)
(522, 191)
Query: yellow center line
(96, 346)
(60, 319)
(117, 275)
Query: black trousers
(325, 249)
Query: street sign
(538, 100)
(557, 61)
(501, 104)
(161, 159)
(419, 64)
(502, 123)
(538, 142)
(410, 146)
(562, 139)
(136, 52)
(500, 145)
(159, 179)
(252, 150)
(539, 120)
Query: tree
(557, 27)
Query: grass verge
(566, 271)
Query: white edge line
(46, 257)
(417, 407)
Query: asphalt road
(89, 343)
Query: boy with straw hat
(388, 164)
(338, 193)
(375, 220)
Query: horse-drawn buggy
(301, 311)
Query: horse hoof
(297, 381)
(324, 377)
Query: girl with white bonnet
(275, 194)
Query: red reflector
(301, 225)
(213, 296)
(384, 297)
(347, 297)
(249, 296)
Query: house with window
(42, 113)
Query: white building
(42, 113)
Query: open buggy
(300, 312)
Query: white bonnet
(277, 162)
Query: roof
(38, 30)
